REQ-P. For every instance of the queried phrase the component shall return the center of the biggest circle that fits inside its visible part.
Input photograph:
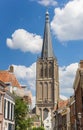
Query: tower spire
(47, 50)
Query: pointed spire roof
(47, 50)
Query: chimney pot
(11, 69)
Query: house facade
(62, 116)
(9, 81)
(78, 90)
(8, 121)
(72, 113)
(6, 108)
(2, 93)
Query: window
(45, 113)
(12, 111)
(82, 103)
(50, 70)
(45, 91)
(45, 70)
(41, 70)
(40, 90)
(10, 126)
(0, 104)
(4, 108)
(0, 125)
(8, 110)
(50, 94)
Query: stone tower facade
(47, 81)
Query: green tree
(21, 111)
(30, 123)
(38, 128)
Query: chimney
(11, 69)
(81, 64)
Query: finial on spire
(47, 16)
(47, 11)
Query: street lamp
(80, 117)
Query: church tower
(47, 81)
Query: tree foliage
(21, 111)
(22, 120)
(38, 128)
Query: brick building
(78, 89)
(62, 116)
(72, 113)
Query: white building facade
(48, 122)
(8, 121)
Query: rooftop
(6, 76)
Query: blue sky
(21, 32)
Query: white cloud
(67, 23)
(26, 75)
(63, 97)
(25, 41)
(66, 77)
(47, 2)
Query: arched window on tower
(40, 91)
(45, 91)
(41, 70)
(45, 113)
(50, 70)
(45, 70)
(50, 94)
